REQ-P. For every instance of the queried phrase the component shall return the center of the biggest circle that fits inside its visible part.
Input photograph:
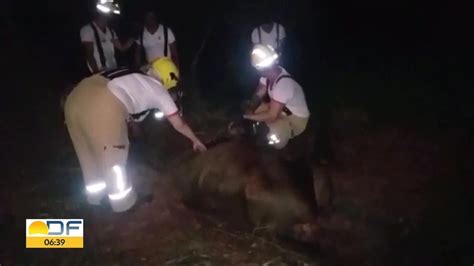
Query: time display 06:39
(54, 242)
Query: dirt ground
(162, 231)
(401, 198)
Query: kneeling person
(96, 113)
(286, 114)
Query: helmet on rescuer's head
(167, 71)
(263, 56)
(107, 7)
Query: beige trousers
(284, 128)
(96, 121)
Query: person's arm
(179, 125)
(254, 36)
(123, 47)
(87, 40)
(282, 93)
(118, 45)
(253, 103)
(89, 52)
(270, 116)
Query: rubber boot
(124, 204)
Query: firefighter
(286, 113)
(99, 41)
(96, 114)
(155, 41)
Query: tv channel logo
(54, 233)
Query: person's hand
(198, 146)
(248, 112)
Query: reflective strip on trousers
(120, 195)
(120, 184)
(95, 188)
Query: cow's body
(248, 184)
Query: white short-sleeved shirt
(272, 38)
(107, 40)
(139, 93)
(288, 92)
(154, 43)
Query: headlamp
(263, 56)
(107, 7)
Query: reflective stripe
(120, 181)
(103, 8)
(120, 195)
(119, 72)
(94, 188)
(259, 53)
(139, 117)
(159, 115)
(267, 61)
(273, 139)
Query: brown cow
(251, 184)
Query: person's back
(139, 92)
(287, 90)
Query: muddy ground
(403, 196)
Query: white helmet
(263, 56)
(107, 7)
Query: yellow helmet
(167, 70)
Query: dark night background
(394, 59)
(400, 62)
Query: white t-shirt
(288, 92)
(139, 93)
(107, 40)
(154, 44)
(269, 38)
